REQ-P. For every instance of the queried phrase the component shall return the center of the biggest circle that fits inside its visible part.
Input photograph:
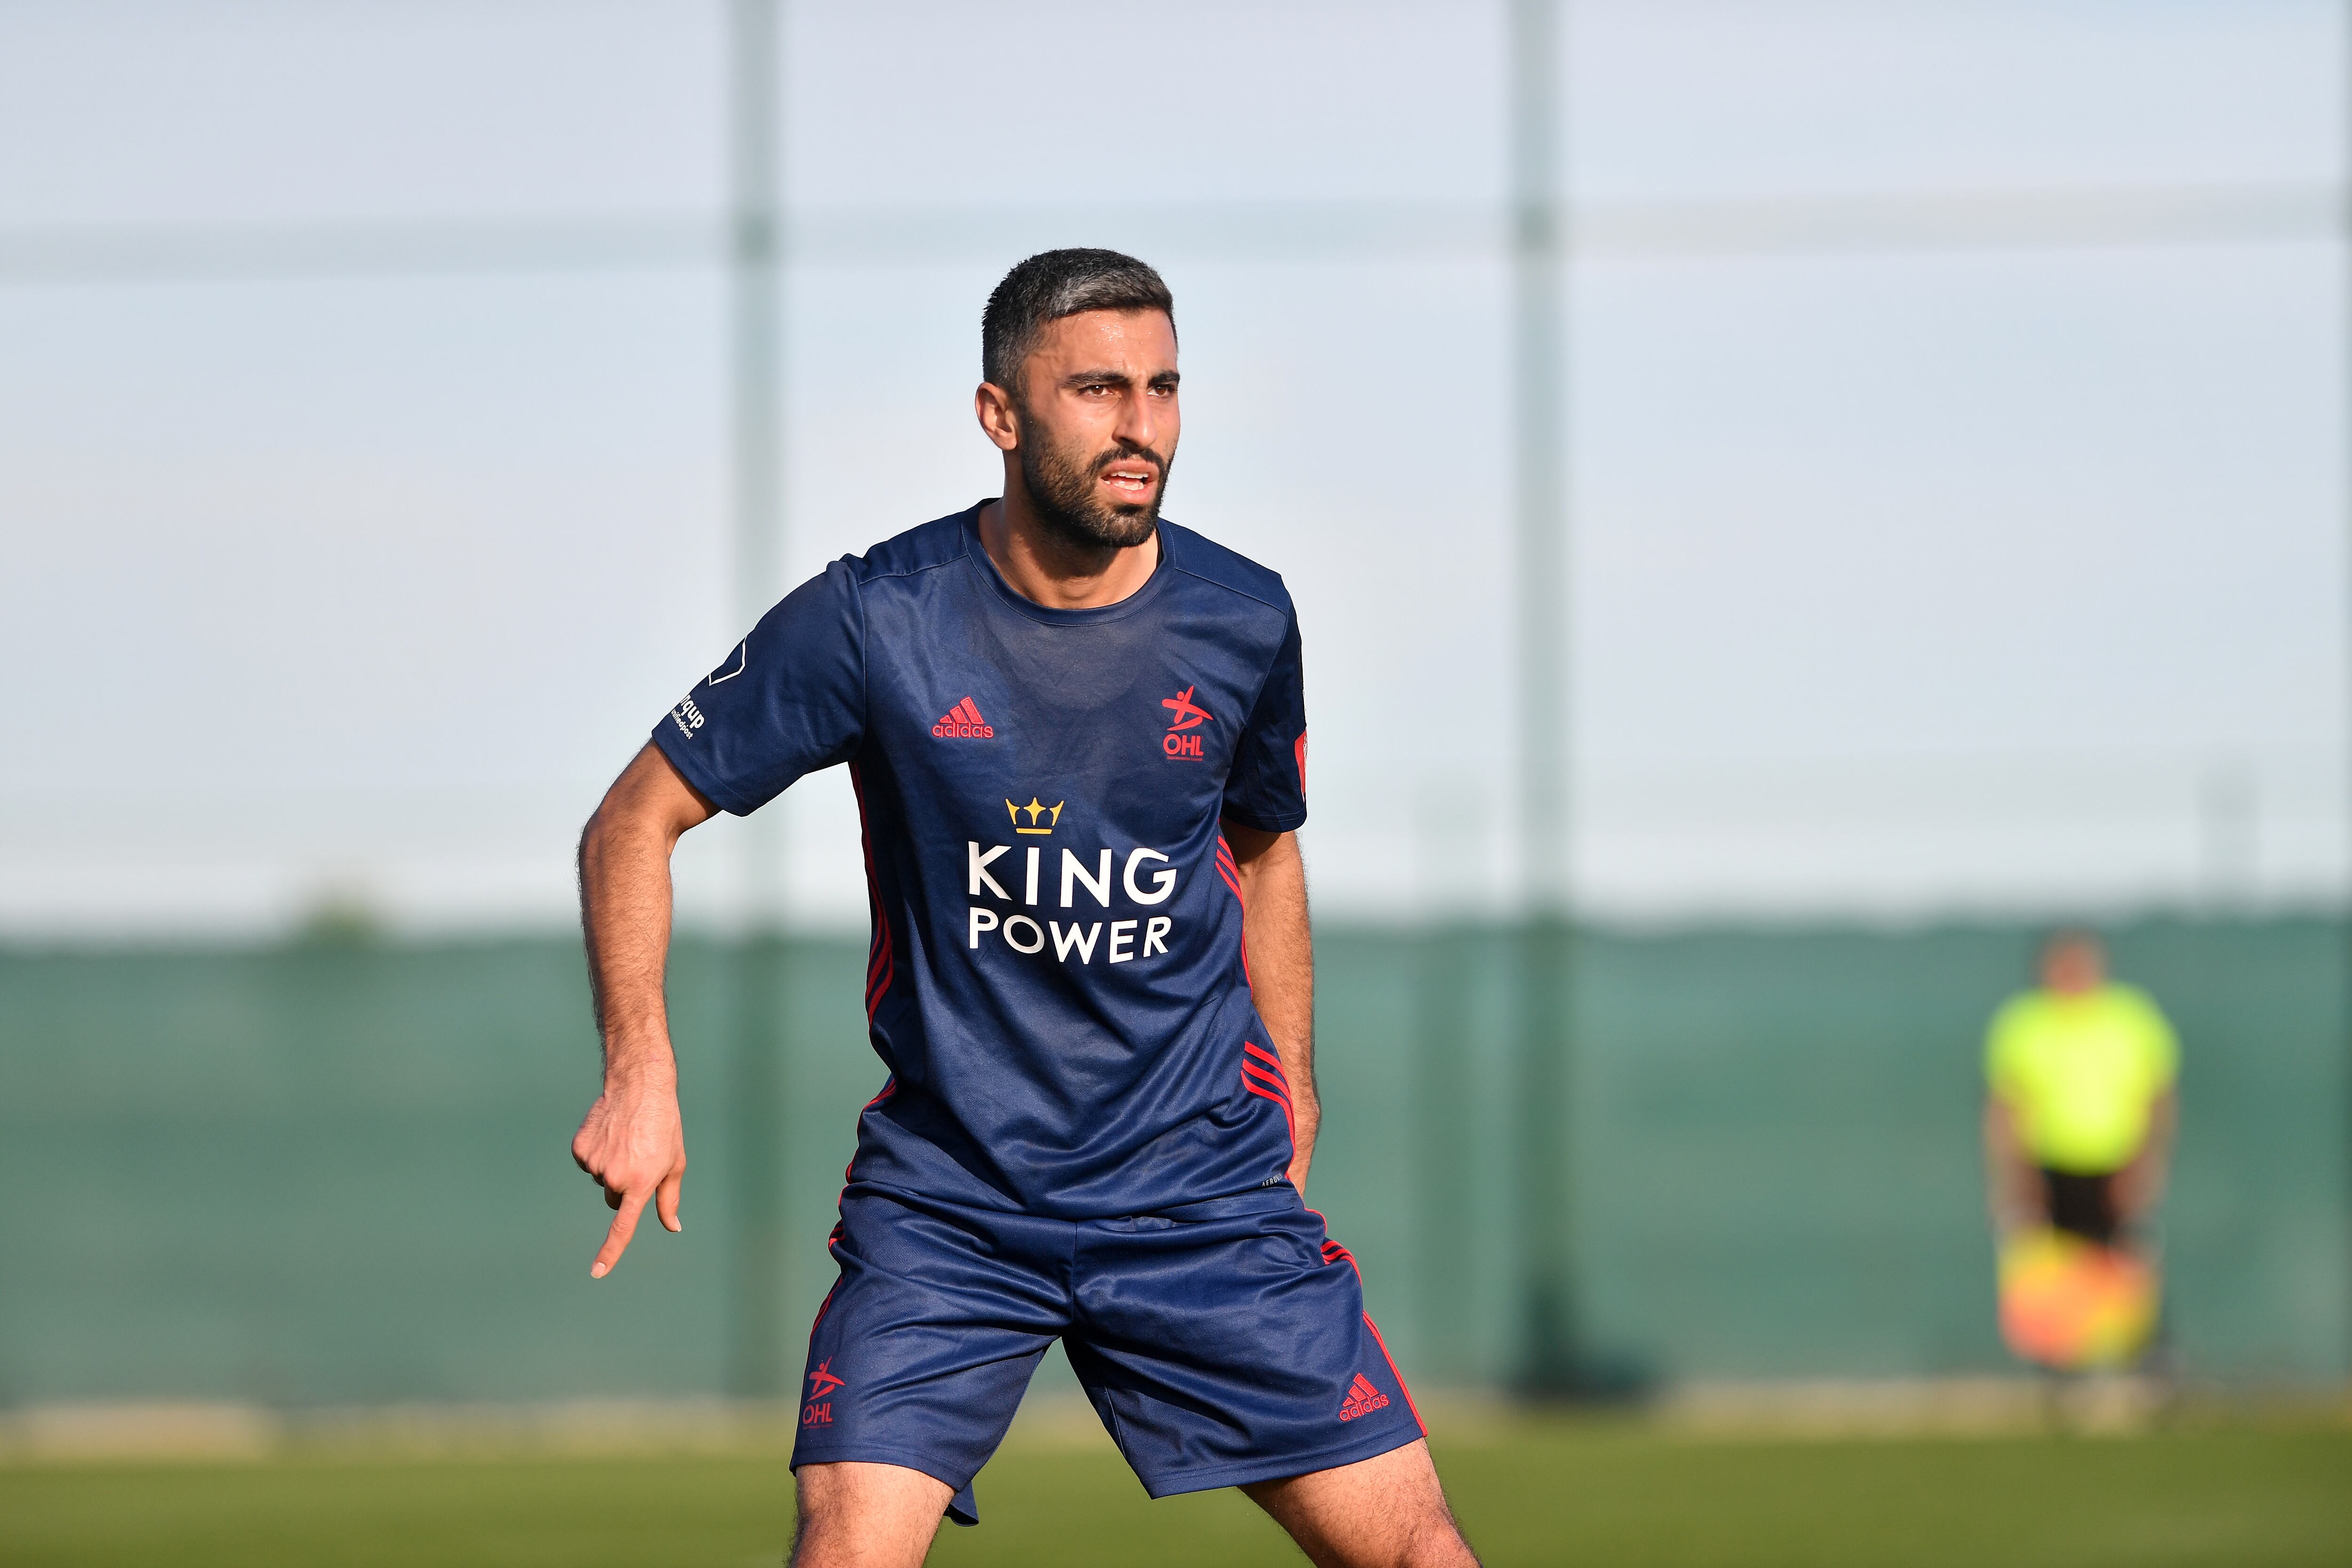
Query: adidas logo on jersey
(1363, 1399)
(963, 722)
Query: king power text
(1146, 879)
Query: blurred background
(1785, 501)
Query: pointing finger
(617, 1240)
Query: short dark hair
(1051, 284)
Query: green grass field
(1570, 1491)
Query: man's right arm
(2012, 1182)
(632, 1141)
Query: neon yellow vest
(2080, 1074)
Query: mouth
(1131, 481)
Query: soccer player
(1078, 742)
(2081, 1105)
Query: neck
(1050, 568)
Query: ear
(1000, 421)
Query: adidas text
(963, 722)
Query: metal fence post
(1537, 254)
(758, 1284)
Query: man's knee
(874, 1516)
(1387, 1512)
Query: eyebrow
(1118, 378)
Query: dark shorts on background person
(1222, 1343)
(2082, 1205)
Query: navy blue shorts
(1222, 1343)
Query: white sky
(1903, 580)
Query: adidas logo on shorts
(1363, 1399)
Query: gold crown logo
(1050, 814)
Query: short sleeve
(1266, 788)
(787, 700)
(2160, 1046)
(2003, 1042)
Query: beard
(1061, 490)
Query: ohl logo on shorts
(818, 1411)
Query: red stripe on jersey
(1252, 1072)
(1232, 874)
(882, 968)
(1287, 1119)
(840, 1226)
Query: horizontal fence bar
(135, 253)
(1238, 232)
(1963, 220)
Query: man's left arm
(1281, 951)
(2139, 1186)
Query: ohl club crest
(1184, 739)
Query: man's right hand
(633, 1143)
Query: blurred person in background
(2079, 1118)
(2078, 1128)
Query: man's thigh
(1225, 1343)
(1387, 1512)
(921, 1353)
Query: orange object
(2073, 1305)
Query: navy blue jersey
(1057, 981)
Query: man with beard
(1079, 740)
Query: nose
(1142, 421)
